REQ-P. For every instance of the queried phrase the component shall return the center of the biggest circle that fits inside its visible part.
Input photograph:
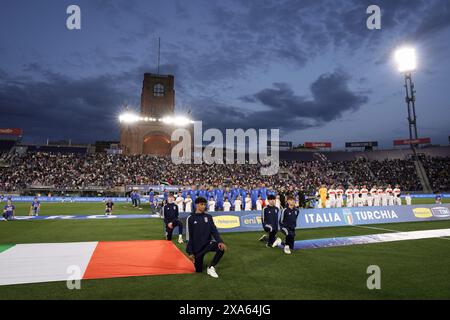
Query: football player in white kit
(238, 204)
(364, 195)
(339, 197)
(226, 205)
(327, 203)
(349, 197)
(390, 195)
(378, 200)
(248, 203)
(180, 202)
(397, 192)
(211, 205)
(188, 203)
(361, 201)
(356, 197)
(278, 202)
(332, 197)
(259, 204)
(408, 199)
(383, 195)
(372, 199)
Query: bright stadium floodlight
(128, 117)
(166, 120)
(182, 121)
(406, 59)
(407, 63)
(178, 121)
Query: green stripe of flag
(4, 247)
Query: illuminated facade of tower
(157, 102)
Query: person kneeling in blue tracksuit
(9, 211)
(203, 237)
(288, 223)
(270, 223)
(170, 215)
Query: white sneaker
(212, 272)
(276, 243)
(180, 239)
(287, 250)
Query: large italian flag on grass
(45, 262)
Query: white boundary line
(384, 229)
(377, 228)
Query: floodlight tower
(407, 63)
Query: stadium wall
(244, 221)
(337, 217)
(143, 199)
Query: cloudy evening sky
(308, 67)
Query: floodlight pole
(411, 104)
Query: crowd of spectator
(438, 172)
(397, 171)
(78, 171)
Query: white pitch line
(384, 229)
(376, 228)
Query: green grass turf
(4, 247)
(416, 269)
(67, 208)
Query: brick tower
(149, 135)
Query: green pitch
(67, 208)
(417, 269)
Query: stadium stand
(6, 145)
(58, 149)
(60, 168)
(438, 171)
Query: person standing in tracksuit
(134, 199)
(288, 223)
(202, 237)
(170, 214)
(270, 223)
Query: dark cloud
(331, 97)
(215, 48)
(297, 31)
(248, 99)
(284, 109)
(51, 104)
(60, 107)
